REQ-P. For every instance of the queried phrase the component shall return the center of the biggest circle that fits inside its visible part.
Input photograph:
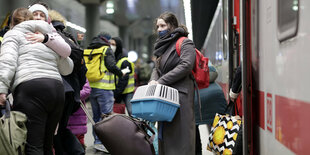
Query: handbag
(13, 132)
(124, 135)
(226, 135)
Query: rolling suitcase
(123, 135)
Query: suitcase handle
(87, 113)
(140, 125)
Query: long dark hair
(171, 21)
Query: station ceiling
(136, 15)
(140, 14)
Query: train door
(247, 89)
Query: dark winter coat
(122, 81)
(178, 136)
(77, 78)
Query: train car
(270, 40)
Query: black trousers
(198, 142)
(65, 142)
(42, 101)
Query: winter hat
(39, 7)
(104, 35)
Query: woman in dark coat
(178, 136)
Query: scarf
(162, 43)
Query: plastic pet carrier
(155, 102)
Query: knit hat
(104, 35)
(39, 7)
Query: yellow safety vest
(107, 82)
(131, 81)
(1, 39)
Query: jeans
(102, 103)
(128, 97)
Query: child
(78, 121)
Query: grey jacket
(174, 71)
(21, 60)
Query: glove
(125, 70)
(233, 96)
(153, 82)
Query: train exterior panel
(283, 76)
(278, 47)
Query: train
(270, 39)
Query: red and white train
(270, 39)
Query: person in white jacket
(31, 70)
(52, 39)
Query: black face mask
(162, 33)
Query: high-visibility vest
(1, 39)
(107, 82)
(131, 81)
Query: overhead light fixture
(110, 4)
(110, 7)
(109, 11)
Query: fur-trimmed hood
(56, 16)
(58, 21)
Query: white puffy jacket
(21, 60)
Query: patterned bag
(226, 135)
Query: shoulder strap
(178, 45)
(198, 96)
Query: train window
(287, 19)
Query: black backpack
(77, 78)
(76, 51)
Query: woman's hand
(153, 82)
(2, 99)
(36, 37)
